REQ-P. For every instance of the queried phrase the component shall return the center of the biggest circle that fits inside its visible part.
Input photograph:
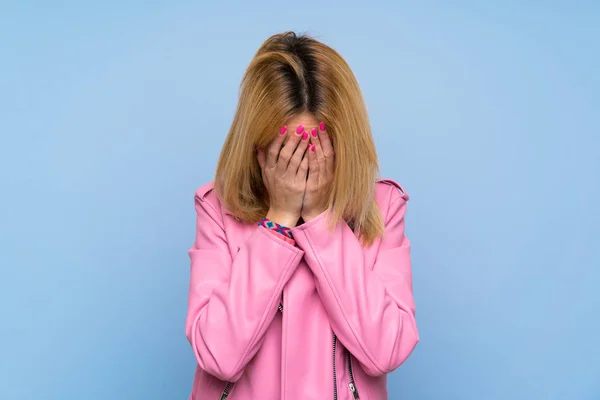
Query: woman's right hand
(284, 173)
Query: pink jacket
(325, 319)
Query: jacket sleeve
(370, 307)
(233, 297)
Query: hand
(320, 173)
(284, 173)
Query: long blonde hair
(288, 75)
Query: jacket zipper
(335, 394)
(229, 385)
(351, 385)
(226, 391)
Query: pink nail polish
(283, 130)
(322, 126)
(300, 129)
(313, 131)
(305, 136)
(312, 147)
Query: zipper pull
(353, 390)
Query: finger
(286, 153)
(302, 172)
(318, 150)
(275, 147)
(299, 152)
(327, 147)
(313, 165)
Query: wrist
(284, 219)
(307, 216)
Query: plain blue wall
(112, 113)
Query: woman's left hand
(320, 173)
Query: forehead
(307, 119)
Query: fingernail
(312, 147)
(313, 131)
(283, 130)
(305, 136)
(300, 129)
(322, 126)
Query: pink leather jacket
(324, 319)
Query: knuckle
(284, 155)
(273, 152)
(292, 141)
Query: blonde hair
(291, 74)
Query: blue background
(112, 113)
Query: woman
(300, 272)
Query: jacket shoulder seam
(392, 182)
(204, 190)
(201, 195)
